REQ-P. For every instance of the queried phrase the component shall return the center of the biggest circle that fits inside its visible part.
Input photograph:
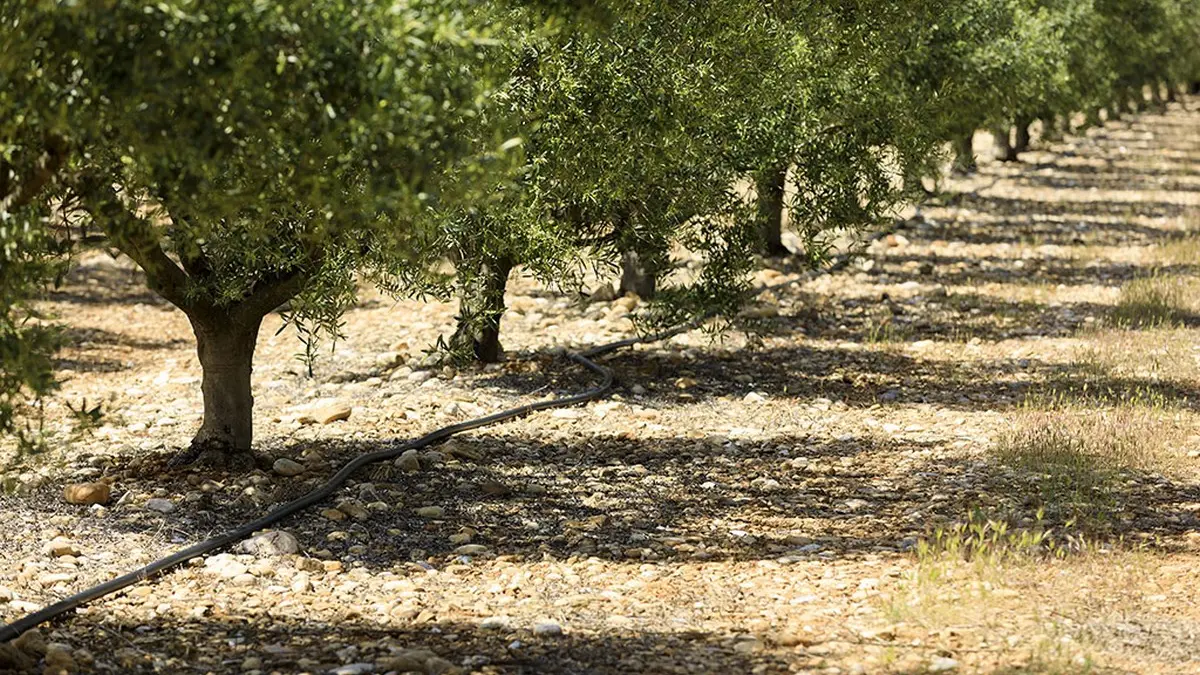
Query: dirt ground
(757, 504)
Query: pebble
(326, 412)
(59, 547)
(354, 669)
(333, 514)
(287, 467)
(354, 509)
(942, 664)
(415, 661)
(409, 462)
(275, 542)
(59, 659)
(430, 511)
(225, 566)
(87, 493)
(547, 629)
(494, 488)
(471, 549)
(494, 623)
(301, 583)
(161, 505)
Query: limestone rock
(87, 493)
(161, 505)
(409, 462)
(59, 547)
(287, 467)
(275, 542)
(326, 412)
(430, 511)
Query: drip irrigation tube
(16, 628)
(584, 358)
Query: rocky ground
(744, 504)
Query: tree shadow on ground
(106, 281)
(1018, 272)
(1022, 208)
(220, 645)
(784, 498)
(98, 338)
(1087, 171)
(1070, 179)
(856, 374)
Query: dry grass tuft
(1183, 250)
(1078, 460)
(1155, 301)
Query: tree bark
(225, 346)
(964, 153)
(636, 276)
(1021, 143)
(771, 186)
(480, 310)
(1005, 152)
(1156, 97)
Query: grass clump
(1078, 461)
(1154, 302)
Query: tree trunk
(1195, 87)
(771, 186)
(226, 351)
(1005, 152)
(1156, 97)
(964, 153)
(480, 311)
(636, 277)
(1022, 140)
(1172, 92)
(1051, 131)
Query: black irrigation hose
(16, 628)
(20, 626)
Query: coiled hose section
(585, 359)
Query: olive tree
(247, 154)
(634, 136)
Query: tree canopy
(250, 154)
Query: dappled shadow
(102, 280)
(284, 644)
(860, 375)
(1070, 178)
(966, 270)
(1022, 208)
(100, 339)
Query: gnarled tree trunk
(1022, 140)
(225, 347)
(964, 153)
(771, 186)
(1004, 147)
(636, 276)
(480, 310)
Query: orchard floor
(736, 506)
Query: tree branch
(271, 293)
(48, 165)
(136, 238)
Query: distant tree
(635, 135)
